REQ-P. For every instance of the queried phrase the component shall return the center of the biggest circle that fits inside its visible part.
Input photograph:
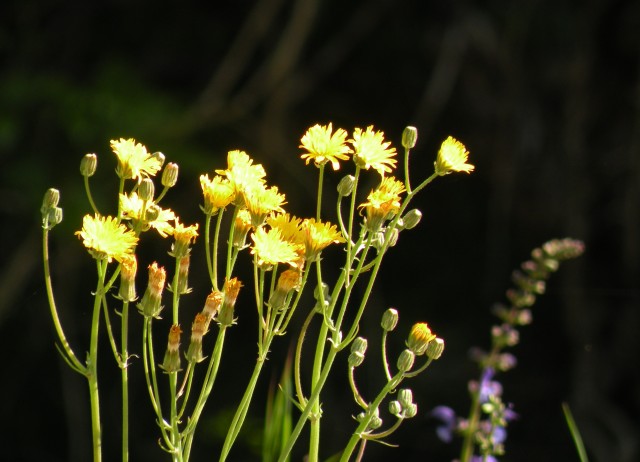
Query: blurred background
(545, 95)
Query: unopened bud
(409, 137)
(54, 217)
(345, 187)
(376, 421)
(171, 361)
(410, 411)
(170, 175)
(358, 350)
(241, 227)
(50, 200)
(389, 319)
(395, 408)
(411, 218)
(161, 157)
(435, 348)
(405, 396)
(146, 190)
(88, 165)
(406, 360)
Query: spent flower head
(322, 146)
(452, 157)
(105, 238)
(370, 150)
(134, 161)
(184, 236)
(147, 213)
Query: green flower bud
(406, 360)
(358, 350)
(161, 157)
(395, 408)
(146, 190)
(374, 423)
(409, 137)
(410, 411)
(411, 218)
(54, 217)
(88, 165)
(405, 396)
(389, 319)
(170, 175)
(345, 187)
(435, 348)
(50, 200)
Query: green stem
(125, 381)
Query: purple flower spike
(447, 416)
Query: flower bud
(171, 362)
(409, 137)
(376, 421)
(406, 360)
(88, 165)
(170, 175)
(49, 201)
(129, 266)
(410, 411)
(411, 219)
(358, 350)
(231, 289)
(54, 217)
(146, 190)
(419, 338)
(435, 348)
(161, 157)
(389, 319)
(395, 408)
(345, 187)
(241, 227)
(405, 396)
(198, 329)
(150, 306)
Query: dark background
(545, 95)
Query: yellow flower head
(288, 225)
(318, 236)
(134, 161)
(271, 249)
(242, 173)
(383, 202)
(105, 238)
(218, 193)
(184, 236)
(322, 146)
(261, 201)
(372, 151)
(154, 216)
(419, 338)
(452, 157)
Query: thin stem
(87, 188)
(124, 356)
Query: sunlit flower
(218, 193)
(242, 173)
(288, 225)
(452, 157)
(261, 201)
(154, 216)
(105, 238)
(383, 203)
(370, 150)
(133, 159)
(318, 236)
(419, 338)
(184, 236)
(322, 146)
(271, 249)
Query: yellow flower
(183, 235)
(288, 225)
(242, 174)
(133, 159)
(321, 146)
(105, 238)
(383, 203)
(452, 157)
(218, 193)
(271, 249)
(419, 338)
(318, 236)
(260, 201)
(155, 216)
(372, 151)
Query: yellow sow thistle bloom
(155, 217)
(419, 338)
(133, 159)
(184, 236)
(382, 203)
(288, 225)
(218, 193)
(370, 150)
(452, 157)
(271, 249)
(261, 201)
(105, 238)
(242, 174)
(318, 236)
(322, 146)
